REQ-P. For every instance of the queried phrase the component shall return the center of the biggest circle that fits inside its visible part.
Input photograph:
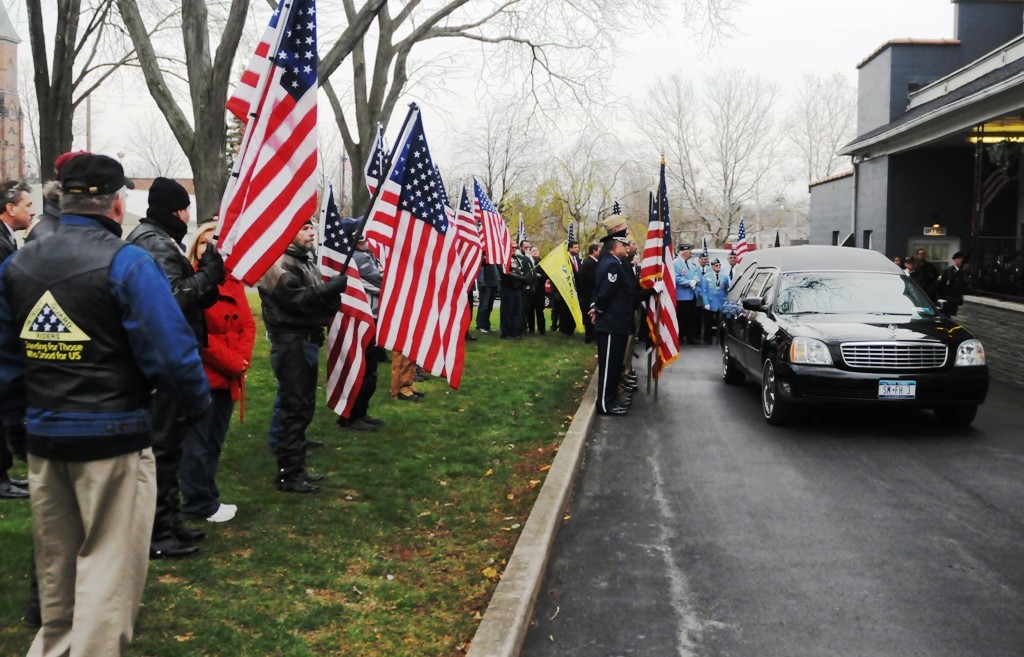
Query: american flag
(375, 162)
(454, 330)
(352, 327)
(419, 293)
(741, 242)
(572, 234)
(468, 241)
(657, 265)
(273, 189)
(497, 241)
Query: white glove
(707, 307)
(659, 286)
(693, 285)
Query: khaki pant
(403, 374)
(91, 527)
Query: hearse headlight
(970, 352)
(808, 351)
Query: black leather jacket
(295, 297)
(194, 291)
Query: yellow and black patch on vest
(49, 334)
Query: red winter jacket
(231, 332)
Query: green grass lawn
(399, 551)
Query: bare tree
(721, 149)
(86, 51)
(153, 151)
(207, 73)
(743, 143)
(553, 52)
(501, 149)
(581, 184)
(670, 120)
(822, 119)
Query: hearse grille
(894, 355)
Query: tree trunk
(54, 96)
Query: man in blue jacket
(687, 292)
(88, 329)
(713, 291)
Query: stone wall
(1000, 327)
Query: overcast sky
(779, 39)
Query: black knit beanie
(168, 195)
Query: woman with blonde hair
(231, 333)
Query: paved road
(696, 529)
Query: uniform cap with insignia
(618, 236)
(686, 247)
(93, 175)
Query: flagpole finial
(663, 157)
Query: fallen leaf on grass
(544, 468)
(511, 496)
(567, 516)
(490, 573)
(534, 482)
(489, 472)
(181, 638)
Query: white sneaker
(224, 513)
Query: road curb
(504, 625)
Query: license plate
(897, 389)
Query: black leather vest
(77, 355)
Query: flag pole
(657, 306)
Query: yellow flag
(559, 269)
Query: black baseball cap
(93, 175)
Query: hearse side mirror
(752, 303)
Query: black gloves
(213, 264)
(14, 435)
(337, 284)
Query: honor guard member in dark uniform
(88, 328)
(952, 285)
(161, 233)
(612, 312)
(297, 305)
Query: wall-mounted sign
(934, 231)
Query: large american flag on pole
(419, 293)
(657, 265)
(741, 242)
(497, 240)
(273, 188)
(352, 327)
